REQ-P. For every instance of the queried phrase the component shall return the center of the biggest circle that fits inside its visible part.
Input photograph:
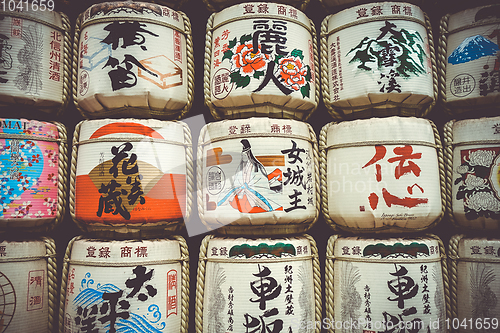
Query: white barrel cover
(24, 287)
(378, 57)
(258, 172)
(383, 174)
(133, 286)
(473, 58)
(476, 165)
(258, 285)
(384, 282)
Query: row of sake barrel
(376, 59)
(131, 176)
(259, 284)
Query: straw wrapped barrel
(248, 186)
(259, 284)
(472, 166)
(125, 286)
(130, 177)
(378, 59)
(261, 60)
(133, 59)
(28, 280)
(35, 59)
(474, 284)
(34, 174)
(469, 60)
(382, 175)
(386, 284)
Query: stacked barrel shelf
(249, 166)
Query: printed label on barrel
(29, 170)
(130, 56)
(259, 54)
(31, 58)
(385, 49)
(136, 181)
(381, 296)
(251, 176)
(259, 297)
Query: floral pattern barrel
(30, 173)
(261, 62)
(131, 176)
(471, 56)
(27, 283)
(476, 264)
(382, 175)
(258, 285)
(475, 183)
(34, 58)
(378, 61)
(248, 186)
(385, 285)
(124, 286)
(133, 61)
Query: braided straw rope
(387, 228)
(64, 281)
(317, 281)
(199, 177)
(67, 53)
(72, 178)
(185, 283)
(453, 278)
(190, 64)
(448, 165)
(441, 54)
(317, 81)
(50, 247)
(317, 177)
(74, 68)
(189, 170)
(336, 112)
(330, 280)
(200, 283)
(207, 66)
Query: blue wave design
(135, 324)
(89, 296)
(155, 310)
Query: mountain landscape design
(473, 48)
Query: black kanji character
(110, 306)
(293, 153)
(128, 31)
(137, 283)
(120, 76)
(266, 288)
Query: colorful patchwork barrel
(474, 284)
(131, 177)
(377, 60)
(35, 58)
(125, 286)
(248, 186)
(134, 60)
(386, 285)
(382, 175)
(261, 60)
(473, 184)
(28, 280)
(34, 174)
(469, 60)
(258, 285)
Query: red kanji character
(217, 42)
(379, 154)
(225, 35)
(216, 63)
(406, 154)
(406, 202)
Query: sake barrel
(131, 177)
(473, 186)
(134, 60)
(261, 60)
(248, 186)
(382, 175)
(217, 5)
(335, 5)
(260, 284)
(470, 60)
(379, 285)
(28, 276)
(377, 60)
(34, 174)
(125, 286)
(474, 285)
(35, 58)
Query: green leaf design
(277, 58)
(245, 38)
(228, 55)
(258, 74)
(241, 81)
(308, 75)
(297, 53)
(232, 43)
(305, 90)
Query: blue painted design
(473, 48)
(85, 283)
(135, 324)
(90, 62)
(155, 313)
(89, 296)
